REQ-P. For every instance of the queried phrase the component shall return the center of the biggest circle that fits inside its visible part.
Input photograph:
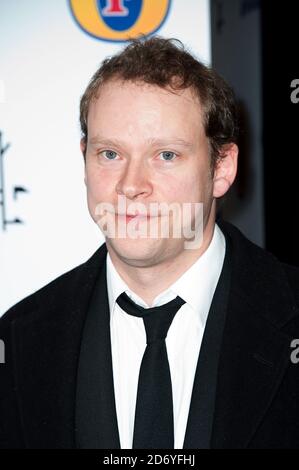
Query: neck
(148, 282)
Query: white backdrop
(46, 61)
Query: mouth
(137, 217)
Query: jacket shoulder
(260, 272)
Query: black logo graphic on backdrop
(16, 190)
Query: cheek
(196, 188)
(97, 191)
(183, 188)
(98, 184)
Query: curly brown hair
(167, 64)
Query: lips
(137, 214)
(137, 217)
(130, 217)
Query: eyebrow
(151, 141)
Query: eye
(109, 154)
(167, 155)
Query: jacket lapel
(255, 352)
(96, 419)
(46, 345)
(200, 419)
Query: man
(154, 342)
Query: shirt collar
(196, 285)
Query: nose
(134, 182)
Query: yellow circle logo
(119, 20)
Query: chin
(138, 252)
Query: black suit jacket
(257, 390)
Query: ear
(83, 150)
(226, 170)
(83, 146)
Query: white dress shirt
(128, 339)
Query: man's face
(147, 145)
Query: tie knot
(157, 320)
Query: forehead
(140, 108)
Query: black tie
(153, 426)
